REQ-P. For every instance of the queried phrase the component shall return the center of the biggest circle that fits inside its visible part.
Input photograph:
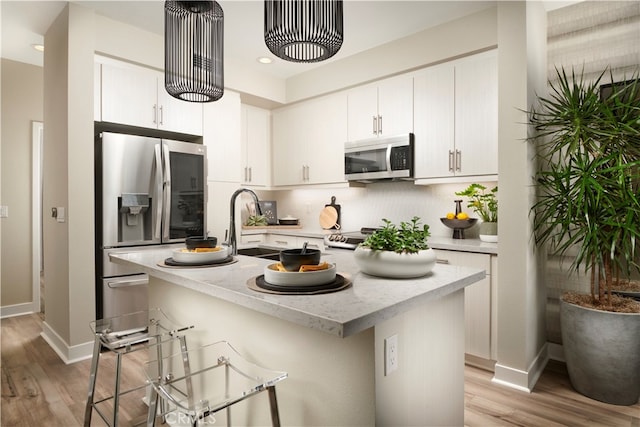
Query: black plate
(337, 283)
(174, 263)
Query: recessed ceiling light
(265, 60)
(38, 47)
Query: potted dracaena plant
(485, 204)
(397, 251)
(588, 210)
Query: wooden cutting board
(330, 215)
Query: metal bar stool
(144, 330)
(196, 385)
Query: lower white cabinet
(290, 241)
(478, 302)
(281, 241)
(252, 239)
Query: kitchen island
(332, 345)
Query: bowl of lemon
(458, 223)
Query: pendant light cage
(193, 56)
(303, 30)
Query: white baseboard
(556, 352)
(19, 309)
(519, 379)
(68, 354)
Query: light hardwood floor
(39, 390)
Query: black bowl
(292, 259)
(200, 242)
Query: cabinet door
(362, 114)
(282, 241)
(289, 145)
(477, 302)
(476, 122)
(176, 115)
(327, 133)
(395, 106)
(222, 136)
(129, 95)
(434, 121)
(256, 131)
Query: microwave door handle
(167, 193)
(157, 172)
(389, 148)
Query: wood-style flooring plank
(38, 389)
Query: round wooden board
(328, 217)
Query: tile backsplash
(366, 206)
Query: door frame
(37, 131)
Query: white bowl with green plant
(397, 251)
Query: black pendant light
(193, 50)
(303, 30)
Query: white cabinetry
(285, 241)
(380, 109)
(256, 150)
(308, 141)
(135, 96)
(222, 136)
(479, 315)
(281, 241)
(456, 118)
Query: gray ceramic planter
(602, 351)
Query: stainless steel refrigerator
(149, 192)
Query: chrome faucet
(232, 241)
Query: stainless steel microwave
(379, 158)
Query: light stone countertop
(436, 242)
(368, 301)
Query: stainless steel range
(348, 240)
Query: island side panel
(427, 389)
(331, 379)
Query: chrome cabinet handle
(161, 115)
(458, 160)
(450, 160)
(375, 125)
(380, 125)
(245, 174)
(155, 114)
(442, 261)
(250, 173)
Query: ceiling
(367, 23)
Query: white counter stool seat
(215, 378)
(149, 330)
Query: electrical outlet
(390, 354)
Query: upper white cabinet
(456, 118)
(308, 141)
(135, 96)
(384, 108)
(223, 138)
(256, 147)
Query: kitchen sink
(266, 253)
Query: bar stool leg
(273, 403)
(92, 382)
(116, 395)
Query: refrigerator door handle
(157, 168)
(167, 193)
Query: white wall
(68, 181)
(22, 89)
